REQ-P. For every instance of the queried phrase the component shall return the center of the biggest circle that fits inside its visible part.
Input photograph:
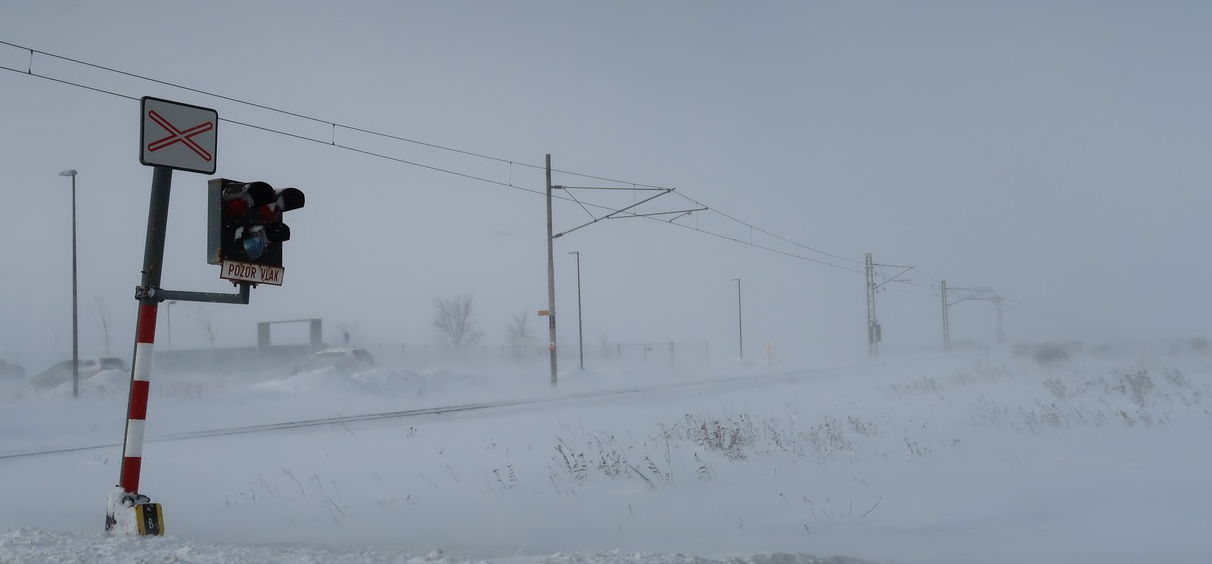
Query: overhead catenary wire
(776, 236)
(460, 174)
(280, 111)
(332, 141)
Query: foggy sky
(1054, 151)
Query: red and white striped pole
(132, 450)
(145, 332)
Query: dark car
(89, 367)
(345, 360)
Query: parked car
(345, 360)
(89, 367)
(10, 371)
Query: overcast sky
(1055, 151)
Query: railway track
(417, 412)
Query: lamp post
(580, 333)
(75, 304)
(740, 332)
(168, 334)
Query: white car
(89, 367)
(345, 360)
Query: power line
(784, 239)
(333, 142)
(455, 173)
(293, 114)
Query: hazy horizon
(1052, 152)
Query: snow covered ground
(963, 458)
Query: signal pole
(551, 309)
(873, 347)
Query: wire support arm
(612, 214)
(622, 188)
(679, 212)
(973, 293)
(897, 277)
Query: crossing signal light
(245, 221)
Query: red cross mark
(178, 136)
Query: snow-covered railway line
(788, 376)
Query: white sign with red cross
(176, 135)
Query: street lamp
(740, 334)
(75, 304)
(580, 334)
(168, 310)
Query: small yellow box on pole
(149, 518)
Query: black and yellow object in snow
(149, 517)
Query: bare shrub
(1051, 354)
(829, 437)
(1136, 385)
(1177, 379)
(863, 427)
(989, 411)
(728, 435)
(1057, 387)
(925, 384)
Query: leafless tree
(452, 317)
(516, 330)
(519, 341)
(208, 325)
(104, 319)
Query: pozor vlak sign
(255, 273)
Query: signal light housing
(245, 221)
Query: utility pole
(980, 293)
(875, 333)
(551, 309)
(580, 332)
(946, 319)
(873, 337)
(614, 214)
(740, 330)
(997, 308)
(1001, 331)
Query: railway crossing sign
(177, 135)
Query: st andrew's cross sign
(179, 136)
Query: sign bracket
(160, 294)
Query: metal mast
(946, 319)
(551, 309)
(873, 347)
